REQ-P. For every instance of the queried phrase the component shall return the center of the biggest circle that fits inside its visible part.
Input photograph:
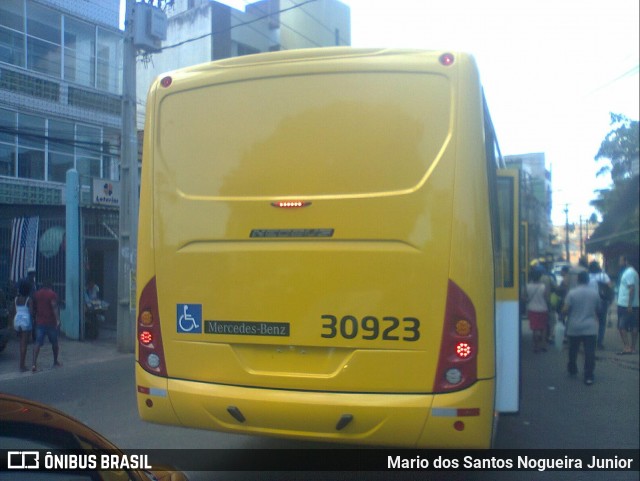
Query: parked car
(5, 329)
(32, 426)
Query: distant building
(535, 202)
(60, 108)
(200, 31)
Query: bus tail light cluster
(458, 362)
(150, 350)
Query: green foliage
(616, 198)
(619, 205)
(620, 147)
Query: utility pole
(586, 236)
(128, 235)
(566, 230)
(71, 322)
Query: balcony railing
(14, 190)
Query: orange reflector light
(145, 337)
(146, 318)
(463, 350)
(290, 204)
(463, 328)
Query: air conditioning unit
(149, 27)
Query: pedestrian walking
(581, 308)
(537, 310)
(31, 279)
(628, 304)
(562, 290)
(23, 319)
(549, 281)
(600, 282)
(33, 287)
(47, 322)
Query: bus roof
(316, 54)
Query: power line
(210, 34)
(301, 35)
(282, 23)
(85, 145)
(328, 29)
(253, 28)
(632, 71)
(291, 28)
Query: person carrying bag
(23, 319)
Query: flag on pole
(24, 246)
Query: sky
(552, 71)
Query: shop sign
(106, 192)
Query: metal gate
(50, 261)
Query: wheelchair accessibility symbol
(189, 317)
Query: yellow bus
(319, 246)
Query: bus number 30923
(371, 328)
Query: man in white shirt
(628, 304)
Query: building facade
(60, 109)
(200, 31)
(535, 203)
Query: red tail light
(150, 350)
(447, 59)
(145, 337)
(458, 361)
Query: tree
(621, 147)
(618, 232)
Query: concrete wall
(185, 25)
(314, 24)
(228, 32)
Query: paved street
(96, 385)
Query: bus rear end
(314, 253)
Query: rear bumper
(407, 420)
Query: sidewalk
(609, 356)
(551, 400)
(72, 353)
